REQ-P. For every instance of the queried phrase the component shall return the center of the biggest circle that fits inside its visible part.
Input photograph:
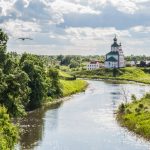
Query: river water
(85, 122)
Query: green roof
(113, 53)
(112, 59)
(115, 45)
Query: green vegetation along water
(129, 73)
(136, 116)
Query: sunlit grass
(136, 116)
(74, 86)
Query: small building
(94, 65)
(115, 58)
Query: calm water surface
(85, 122)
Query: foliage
(54, 88)
(121, 108)
(137, 117)
(34, 69)
(133, 97)
(8, 132)
(13, 81)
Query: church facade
(115, 58)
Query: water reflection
(32, 126)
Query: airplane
(24, 38)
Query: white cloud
(126, 6)
(6, 6)
(141, 29)
(66, 7)
(17, 28)
(95, 33)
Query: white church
(115, 58)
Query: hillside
(129, 73)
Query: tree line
(25, 83)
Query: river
(85, 122)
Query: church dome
(115, 44)
(115, 39)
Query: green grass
(72, 87)
(128, 73)
(136, 117)
(135, 74)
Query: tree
(14, 90)
(3, 42)
(54, 88)
(36, 83)
(142, 64)
(74, 64)
(15, 93)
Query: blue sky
(70, 27)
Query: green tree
(74, 64)
(8, 132)
(15, 93)
(3, 45)
(54, 86)
(37, 83)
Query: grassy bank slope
(128, 73)
(136, 116)
(73, 86)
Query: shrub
(122, 108)
(147, 95)
(133, 97)
(137, 110)
(8, 132)
(141, 106)
(128, 111)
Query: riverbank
(140, 75)
(135, 116)
(69, 87)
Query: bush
(128, 111)
(8, 132)
(121, 108)
(133, 97)
(141, 106)
(137, 110)
(147, 96)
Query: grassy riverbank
(129, 73)
(73, 86)
(136, 116)
(68, 88)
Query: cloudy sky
(76, 26)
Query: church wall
(111, 64)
